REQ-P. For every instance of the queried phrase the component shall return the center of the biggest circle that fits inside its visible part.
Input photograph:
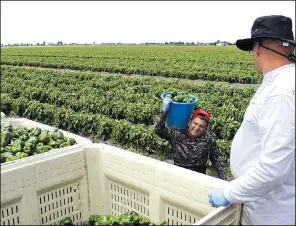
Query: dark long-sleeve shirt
(192, 152)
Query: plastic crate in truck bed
(102, 179)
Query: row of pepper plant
(191, 62)
(119, 109)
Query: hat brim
(247, 44)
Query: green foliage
(227, 64)
(118, 109)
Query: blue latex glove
(217, 199)
(166, 104)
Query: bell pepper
(20, 142)
(86, 223)
(126, 219)
(4, 156)
(59, 135)
(24, 155)
(24, 137)
(135, 217)
(11, 158)
(65, 144)
(44, 138)
(42, 149)
(59, 141)
(105, 220)
(7, 137)
(93, 218)
(28, 151)
(71, 141)
(18, 155)
(21, 131)
(16, 148)
(36, 132)
(67, 221)
(8, 148)
(53, 144)
(39, 145)
(33, 140)
(29, 145)
(144, 221)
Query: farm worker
(193, 145)
(262, 158)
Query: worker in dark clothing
(193, 145)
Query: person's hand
(166, 104)
(217, 199)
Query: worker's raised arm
(276, 122)
(160, 128)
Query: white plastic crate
(102, 179)
(17, 122)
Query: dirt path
(138, 75)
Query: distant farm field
(215, 63)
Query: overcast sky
(133, 21)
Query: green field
(123, 109)
(213, 63)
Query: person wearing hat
(193, 145)
(262, 157)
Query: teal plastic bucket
(179, 114)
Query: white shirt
(262, 157)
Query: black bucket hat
(268, 27)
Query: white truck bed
(102, 179)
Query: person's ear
(190, 120)
(256, 49)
